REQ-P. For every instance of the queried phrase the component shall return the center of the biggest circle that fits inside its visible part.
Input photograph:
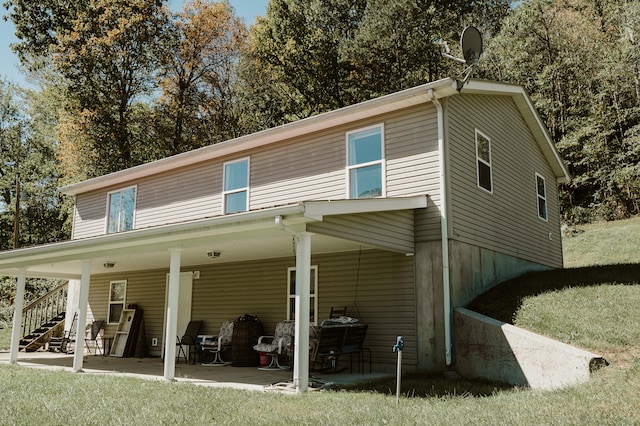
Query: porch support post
(172, 316)
(16, 331)
(83, 301)
(303, 285)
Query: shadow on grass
(503, 301)
(433, 386)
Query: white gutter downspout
(444, 230)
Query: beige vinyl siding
(505, 221)
(391, 230)
(146, 289)
(300, 170)
(305, 169)
(90, 214)
(375, 285)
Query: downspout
(444, 229)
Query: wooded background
(117, 83)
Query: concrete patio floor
(249, 378)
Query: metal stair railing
(44, 309)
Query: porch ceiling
(239, 237)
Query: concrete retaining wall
(490, 349)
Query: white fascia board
(392, 102)
(165, 236)
(318, 209)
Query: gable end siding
(505, 221)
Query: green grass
(604, 243)
(594, 306)
(5, 338)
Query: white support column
(16, 331)
(83, 302)
(303, 285)
(172, 316)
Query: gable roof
(392, 102)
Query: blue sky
(248, 9)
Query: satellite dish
(471, 45)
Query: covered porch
(298, 231)
(248, 378)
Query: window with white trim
(117, 296)
(365, 162)
(236, 186)
(483, 161)
(313, 294)
(121, 209)
(541, 196)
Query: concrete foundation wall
(474, 270)
(493, 350)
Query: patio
(249, 378)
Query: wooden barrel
(245, 336)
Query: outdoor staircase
(43, 319)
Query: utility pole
(17, 213)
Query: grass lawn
(593, 306)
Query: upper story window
(541, 195)
(365, 162)
(236, 186)
(483, 161)
(121, 207)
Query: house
(400, 208)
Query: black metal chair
(92, 336)
(189, 339)
(337, 313)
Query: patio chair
(92, 335)
(278, 344)
(189, 339)
(326, 347)
(219, 344)
(65, 342)
(337, 313)
(353, 344)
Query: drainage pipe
(444, 225)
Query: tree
(109, 59)
(198, 76)
(578, 60)
(307, 57)
(38, 24)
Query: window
(313, 294)
(121, 210)
(117, 295)
(483, 161)
(236, 186)
(541, 191)
(365, 162)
